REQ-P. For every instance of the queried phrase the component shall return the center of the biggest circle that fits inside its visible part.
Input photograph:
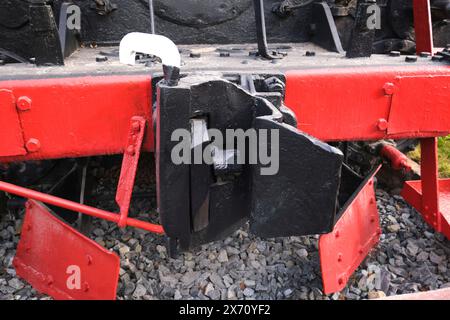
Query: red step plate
(59, 261)
(354, 235)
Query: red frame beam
(371, 103)
(76, 117)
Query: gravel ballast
(410, 258)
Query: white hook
(153, 44)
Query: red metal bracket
(354, 235)
(430, 195)
(423, 26)
(129, 168)
(124, 189)
(10, 128)
(59, 261)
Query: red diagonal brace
(129, 168)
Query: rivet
(382, 124)
(310, 53)
(33, 145)
(101, 59)
(86, 287)
(425, 54)
(224, 54)
(340, 281)
(49, 280)
(24, 103)
(395, 53)
(411, 59)
(89, 260)
(136, 126)
(337, 234)
(195, 55)
(389, 88)
(340, 257)
(131, 151)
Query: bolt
(101, 59)
(382, 124)
(395, 53)
(244, 62)
(411, 59)
(136, 126)
(89, 260)
(337, 234)
(33, 145)
(131, 151)
(49, 280)
(340, 281)
(310, 53)
(339, 257)
(425, 54)
(195, 55)
(224, 54)
(389, 88)
(86, 287)
(24, 103)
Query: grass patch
(444, 156)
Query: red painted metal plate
(59, 261)
(82, 116)
(11, 135)
(348, 104)
(420, 104)
(412, 192)
(354, 235)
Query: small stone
(422, 256)
(435, 258)
(248, 292)
(231, 293)
(302, 253)
(16, 284)
(123, 250)
(288, 292)
(376, 295)
(249, 283)
(129, 288)
(412, 248)
(394, 228)
(161, 249)
(209, 288)
(178, 295)
(139, 292)
(99, 232)
(223, 256)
